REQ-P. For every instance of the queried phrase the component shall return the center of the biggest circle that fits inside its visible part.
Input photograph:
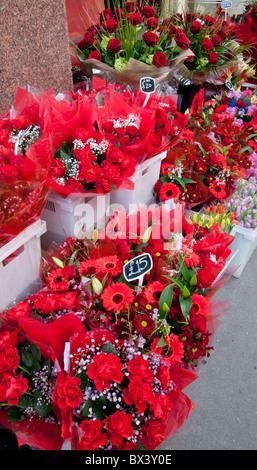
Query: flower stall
(122, 215)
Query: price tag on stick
(147, 85)
(137, 267)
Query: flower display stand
(245, 243)
(144, 180)
(20, 265)
(73, 216)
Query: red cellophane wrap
(23, 171)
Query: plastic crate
(144, 179)
(73, 216)
(20, 265)
(244, 244)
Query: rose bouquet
(24, 164)
(213, 45)
(129, 42)
(245, 30)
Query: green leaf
(15, 414)
(184, 269)
(183, 181)
(165, 300)
(24, 402)
(178, 283)
(27, 358)
(185, 304)
(88, 405)
(35, 351)
(43, 409)
(108, 348)
(98, 413)
(83, 380)
(161, 343)
(140, 446)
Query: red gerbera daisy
(109, 264)
(217, 188)
(169, 191)
(200, 305)
(117, 296)
(172, 351)
(144, 325)
(57, 280)
(153, 292)
(87, 268)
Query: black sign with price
(137, 267)
(147, 85)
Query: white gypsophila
(24, 138)
(130, 120)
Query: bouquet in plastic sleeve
(130, 42)
(27, 381)
(25, 157)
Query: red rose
(21, 122)
(151, 39)
(17, 386)
(241, 104)
(114, 45)
(163, 375)
(118, 426)
(148, 11)
(104, 369)
(204, 278)
(7, 339)
(152, 23)
(198, 323)
(134, 18)
(106, 15)
(95, 55)
(207, 45)
(111, 25)
(8, 174)
(196, 26)
(139, 393)
(68, 393)
(57, 168)
(90, 435)
(140, 367)
(132, 131)
(182, 40)
(129, 6)
(216, 39)
(87, 41)
(160, 59)
(73, 184)
(213, 57)
(9, 360)
(209, 20)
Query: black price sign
(137, 267)
(147, 85)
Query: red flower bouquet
(24, 164)
(130, 42)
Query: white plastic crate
(244, 244)
(144, 179)
(73, 216)
(20, 265)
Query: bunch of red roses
(131, 31)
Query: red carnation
(139, 393)
(213, 57)
(90, 435)
(160, 59)
(114, 45)
(17, 386)
(119, 426)
(241, 104)
(150, 38)
(8, 174)
(140, 366)
(68, 393)
(207, 45)
(104, 369)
